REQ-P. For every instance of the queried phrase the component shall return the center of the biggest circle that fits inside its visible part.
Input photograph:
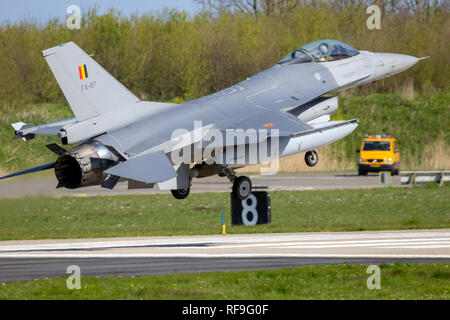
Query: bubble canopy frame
(320, 51)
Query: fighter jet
(278, 112)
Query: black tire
(397, 170)
(181, 194)
(311, 158)
(362, 172)
(242, 187)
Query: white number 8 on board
(249, 213)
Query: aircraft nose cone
(399, 62)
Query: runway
(287, 181)
(26, 260)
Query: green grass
(423, 207)
(398, 281)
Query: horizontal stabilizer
(36, 169)
(149, 168)
(24, 130)
(18, 125)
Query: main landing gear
(181, 194)
(242, 186)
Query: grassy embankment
(425, 207)
(421, 124)
(398, 281)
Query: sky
(43, 10)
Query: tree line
(168, 54)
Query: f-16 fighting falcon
(278, 112)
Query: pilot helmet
(323, 48)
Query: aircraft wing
(284, 122)
(276, 123)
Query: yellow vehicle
(379, 153)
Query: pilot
(323, 50)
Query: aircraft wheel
(311, 158)
(180, 194)
(242, 187)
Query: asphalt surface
(34, 259)
(18, 187)
(31, 269)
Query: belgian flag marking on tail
(82, 71)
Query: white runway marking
(236, 240)
(383, 244)
(358, 243)
(225, 255)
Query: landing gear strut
(242, 186)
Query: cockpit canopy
(320, 51)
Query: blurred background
(180, 50)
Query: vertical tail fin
(90, 90)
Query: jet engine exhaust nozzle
(84, 165)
